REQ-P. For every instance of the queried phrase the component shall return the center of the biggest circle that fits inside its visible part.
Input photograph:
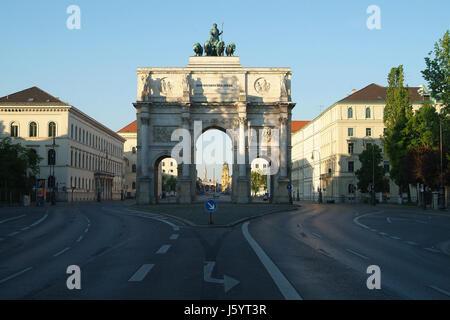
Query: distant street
(316, 252)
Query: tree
(258, 180)
(371, 160)
(423, 127)
(18, 168)
(397, 112)
(437, 72)
(169, 183)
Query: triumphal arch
(176, 105)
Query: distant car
(266, 197)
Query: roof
(297, 125)
(130, 128)
(33, 95)
(375, 92)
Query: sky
(327, 44)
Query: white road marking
(423, 222)
(432, 250)
(39, 221)
(299, 225)
(285, 287)
(163, 249)
(15, 275)
(228, 282)
(382, 233)
(80, 238)
(156, 217)
(86, 230)
(12, 234)
(440, 290)
(25, 228)
(141, 273)
(389, 219)
(316, 235)
(412, 243)
(357, 254)
(13, 218)
(61, 252)
(174, 236)
(395, 238)
(356, 220)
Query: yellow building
(325, 150)
(226, 179)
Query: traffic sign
(211, 206)
(289, 187)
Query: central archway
(214, 165)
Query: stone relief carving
(162, 134)
(166, 87)
(283, 85)
(185, 83)
(267, 134)
(262, 86)
(145, 87)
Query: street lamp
(442, 188)
(320, 178)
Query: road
(316, 252)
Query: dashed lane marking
(39, 221)
(432, 250)
(174, 236)
(61, 252)
(12, 234)
(141, 273)
(440, 290)
(357, 254)
(15, 275)
(13, 218)
(316, 235)
(163, 249)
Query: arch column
(185, 183)
(243, 181)
(145, 186)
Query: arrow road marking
(228, 282)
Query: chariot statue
(214, 46)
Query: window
(367, 113)
(171, 170)
(133, 168)
(14, 129)
(52, 129)
(33, 129)
(256, 166)
(264, 165)
(350, 132)
(71, 131)
(71, 158)
(351, 166)
(350, 113)
(164, 171)
(350, 148)
(368, 132)
(76, 133)
(134, 185)
(133, 150)
(163, 164)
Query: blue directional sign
(211, 206)
(289, 187)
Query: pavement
(312, 252)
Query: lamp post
(320, 178)
(372, 187)
(442, 188)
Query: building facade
(325, 150)
(89, 156)
(167, 166)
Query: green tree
(258, 180)
(371, 162)
(423, 127)
(437, 72)
(397, 112)
(169, 182)
(18, 169)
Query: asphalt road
(317, 252)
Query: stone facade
(89, 156)
(223, 95)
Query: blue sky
(326, 43)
